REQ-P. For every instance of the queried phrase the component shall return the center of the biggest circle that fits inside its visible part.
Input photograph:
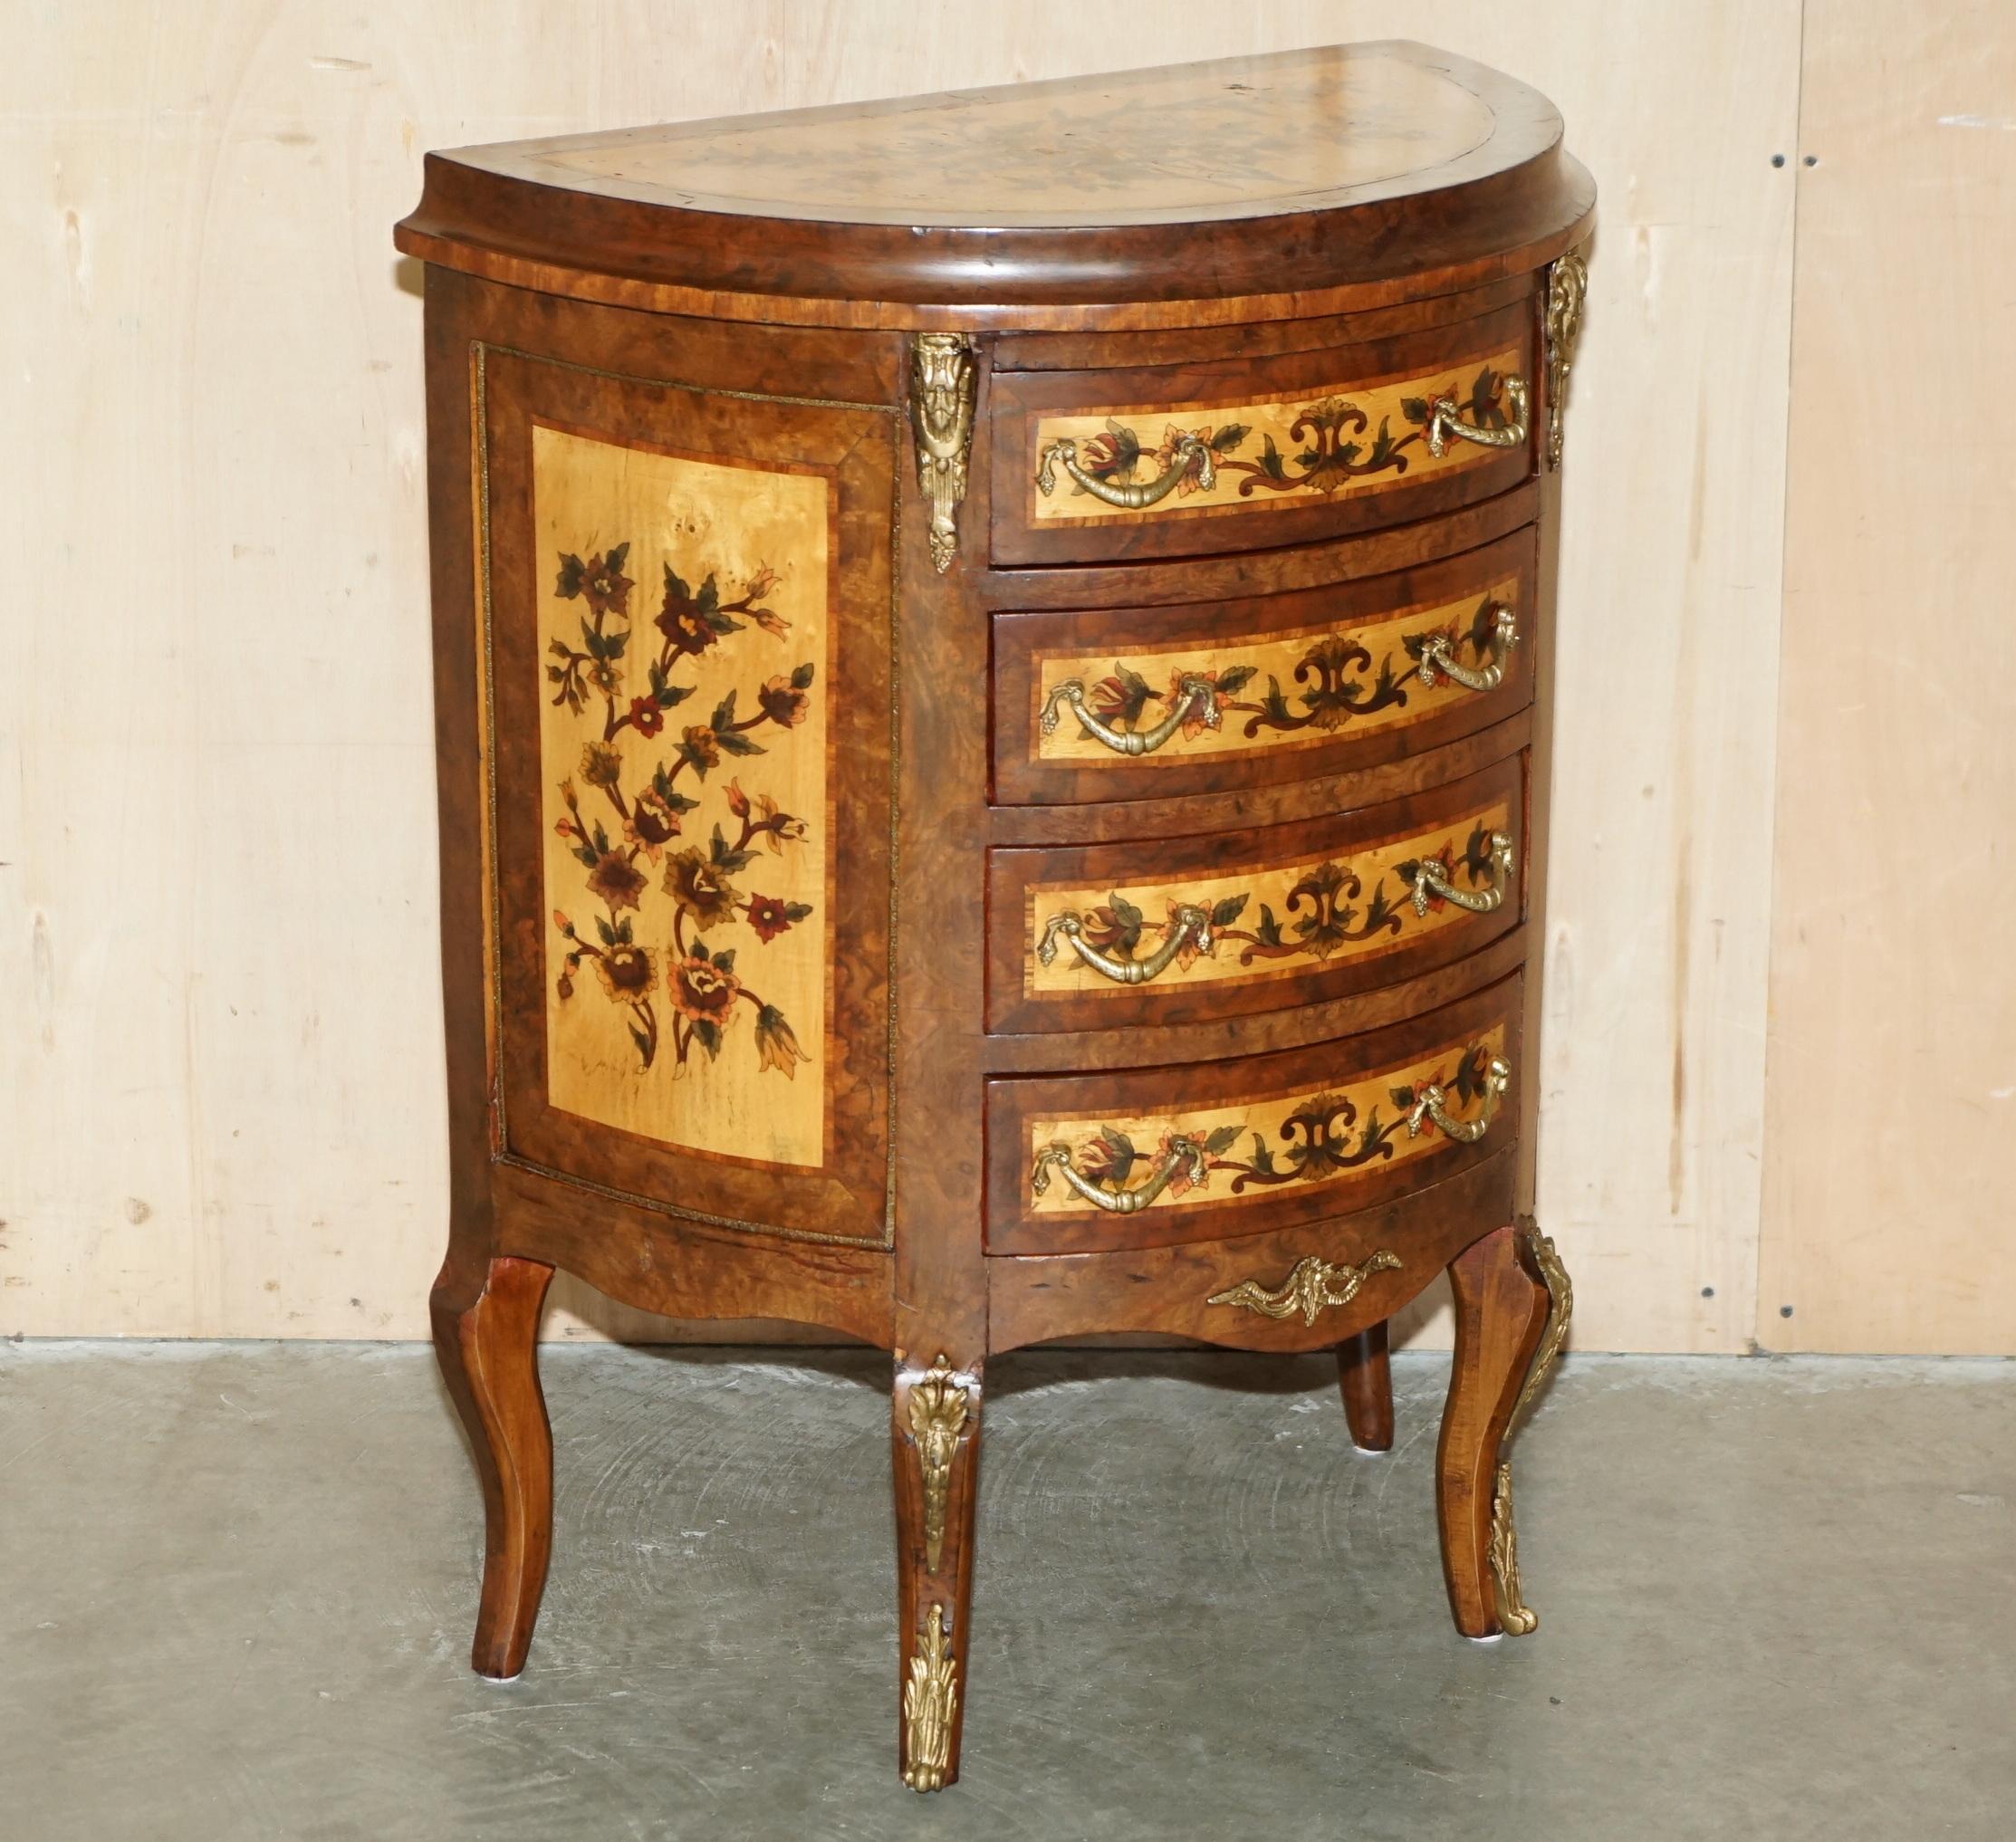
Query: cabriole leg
(1501, 1308)
(935, 1430)
(486, 1339)
(1367, 1381)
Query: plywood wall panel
(1893, 1019)
(218, 990)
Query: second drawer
(1172, 931)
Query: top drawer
(1234, 453)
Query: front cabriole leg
(1501, 1316)
(936, 1428)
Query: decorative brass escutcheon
(1445, 419)
(1431, 880)
(1568, 286)
(1516, 1619)
(1438, 657)
(941, 415)
(1184, 1155)
(1186, 923)
(1137, 495)
(1312, 1287)
(1561, 1296)
(1515, 1616)
(1431, 1104)
(1196, 700)
(938, 1408)
(930, 1698)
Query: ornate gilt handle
(1438, 657)
(1428, 1105)
(1184, 1155)
(1143, 493)
(1191, 690)
(1445, 419)
(1430, 880)
(1186, 923)
(1313, 1287)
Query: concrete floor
(237, 1583)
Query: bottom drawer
(1300, 1288)
(1083, 1164)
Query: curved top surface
(1236, 138)
(1185, 182)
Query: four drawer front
(1131, 705)
(1190, 459)
(1172, 931)
(1082, 1163)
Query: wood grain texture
(1365, 1379)
(1500, 1314)
(1270, 636)
(1043, 1298)
(487, 1341)
(862, 217)
(933, 1591)
(1892, 1014)
(1293, 1137)
(1297, 912)
(632, 780)
(228, 1115)
(1276, 402)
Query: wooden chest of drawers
(992, 703)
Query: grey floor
(236, 1582)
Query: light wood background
(1779, 1034)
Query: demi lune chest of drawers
(993, 658)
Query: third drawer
(1161, 932)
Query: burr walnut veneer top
(1317, 180)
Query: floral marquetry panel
(1169, 1155)
(683, 745)
(698, 609)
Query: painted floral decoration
(639, 822)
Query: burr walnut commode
(993, 656)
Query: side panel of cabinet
(688, 606)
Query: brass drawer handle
(1438, 657)
(1431, 881)
(1312, 1288)
(1189, 452)
(1445, 419)
(1191, 690)
(1429, 1105)
(1184, 1156)
(1185, 924)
